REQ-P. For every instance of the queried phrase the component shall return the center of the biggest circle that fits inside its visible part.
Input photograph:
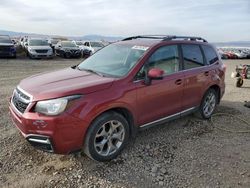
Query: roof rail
(145, 37)
(166, 37)
(185, 38)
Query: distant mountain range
(109, 38)
(85, 37)
(233, 44)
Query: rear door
(162, 97)
(196, 75)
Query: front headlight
(31, 50)
(54, 106)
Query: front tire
(67, 55)
(106, 137)
(208, 104)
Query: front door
(162, 97)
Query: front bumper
(73, 53)
(40, 142)
(58, 134)
(40, 55)
(7, 54)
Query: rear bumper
(59, 134)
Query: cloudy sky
(216, 20)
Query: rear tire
(107, 136)
(208, 104)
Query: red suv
(127, 86)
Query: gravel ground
(184, 153)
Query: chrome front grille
(20, 100)
(41, 51)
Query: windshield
(96, 44)
(37, 42)
(114, 60)
(5, 40)
(79, 43)
(68, 44)
(54, 41)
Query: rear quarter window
(210, 54)
(192, 56)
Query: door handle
(178, 82)
(206, 73)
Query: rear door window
(192, 56)
(210, 54)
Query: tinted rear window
(192, 56)
(210, 54)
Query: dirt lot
(185, 153)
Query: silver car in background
(93, 46)
(38, 48)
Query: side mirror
(154, 74)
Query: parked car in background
(222, 54)
(7, 48)
(24, 42)
(80, 44)
(14, 41)
(234, 52)
(38, 48)
(93, 46)
(67, 49)
(99, 105)
(247, 51)
(230, 54)
(240, 54)
(53, 42)
(85, 51)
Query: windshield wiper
(92, 71)
(75, 67)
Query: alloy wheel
(209, 104)
(109, 138)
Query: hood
(39, 47)
(7, 44)
(64, 82)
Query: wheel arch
(128, 116)
(125, 112)
(218, 91)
